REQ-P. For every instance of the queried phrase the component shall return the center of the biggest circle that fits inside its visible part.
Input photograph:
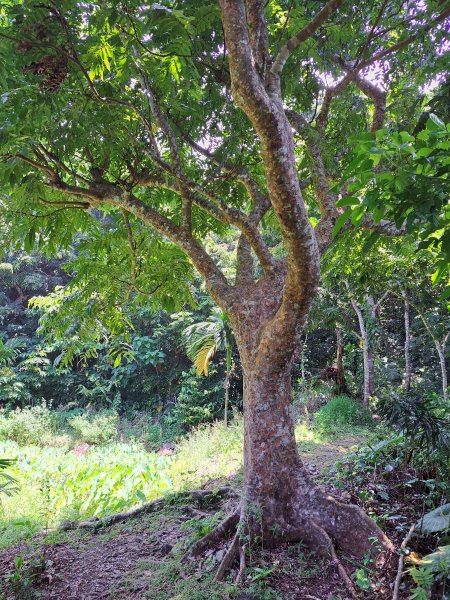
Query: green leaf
(434, 123)
(424, 152)
(30, 239)
(340, 222)
(436, 520)
(357, 214)
(348, 201)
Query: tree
(430, 303)
(147, 127)
(406, 314)
(206, 338)
(367, 319)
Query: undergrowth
(81, 480)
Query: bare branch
(65, 204)
(261, 200)
(377, 95)
(294, 42)
(193, 193)
(386, 227)
(372, 30)
(403, 43)
(53, 175)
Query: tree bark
(368, 356)
(280, 501)
(227, 395)
(340, 374)
(441, 353)
(407, 382)
(440, 348)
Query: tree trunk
(407, 382)
(371, 371)
(340, 374)
(227, 395)
(368, 357)
(281, 503)
(441, 353)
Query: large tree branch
(267, 116)
(221, 291)
(376, 94)
(258, 34)
(194, 193)
(260, 199)
(294, 42)
(105, 192)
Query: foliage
(423, 419)
(7, 483)
(434, 567)
(409, 186)
(206, 338)
(209, 451)
(32, 425)
(197, 403)
(22, 582)
(435, 520)
(341, 411)
(83, 482)
(95, 428)
(9, 350)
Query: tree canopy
(138, 136)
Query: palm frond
(203, 358)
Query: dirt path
(324, 454)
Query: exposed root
(228, 559)
(352, 528)
(222, 531)
(200, 497)
(343, 573)
(401, 560)
(326, 546)
(240, 575)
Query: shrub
(31, 425)
(95, 429)
(200, 400)
(310, 395)
(341, 411)
(424, 419)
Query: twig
(401, 560)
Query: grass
(62, 483)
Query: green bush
(95, 429)
(25, 426)
(341, 411)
